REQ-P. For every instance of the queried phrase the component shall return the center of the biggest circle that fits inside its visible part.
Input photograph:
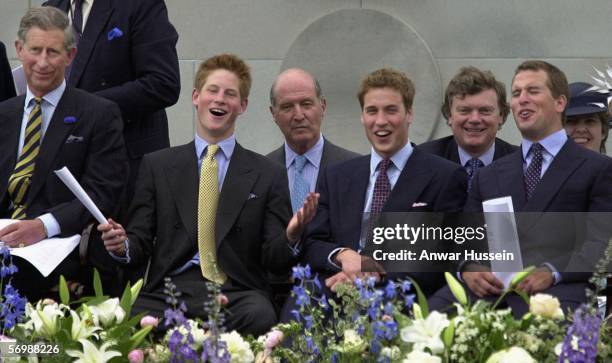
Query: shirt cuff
(330, 257)
(123, 259)
(555, 273)
(51, 226)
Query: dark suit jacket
(446, 147)
(332, 154)
(7, 87)
(137, 70)
(578, 180)
(96, 158)
(252, 215)
(425, 178)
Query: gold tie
(208, 197)
(19, 181)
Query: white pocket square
(72, 138)
(251, 196)
(418, 204)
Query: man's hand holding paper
(114, 237)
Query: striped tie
(208, 198)
(19, 181)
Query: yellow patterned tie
(19, 181)
(208, 197)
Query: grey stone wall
(430, 40)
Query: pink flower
(273, 339)
(149, 320)
(222, 299)
(136, 356)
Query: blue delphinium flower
(583, 333)
(13, 307)
(390, 290)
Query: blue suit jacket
(425, 179)
(138, 69)
(578, 180)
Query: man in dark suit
(127, 54)
(7, 87)
(550, 173)
(298, 108)
(172, 219)
(395, 177)
(475, 107)
(61, 126)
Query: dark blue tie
(534, 170)
(471, 166)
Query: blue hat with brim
(584, 100)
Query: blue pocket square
(251, 196)
(69, 120)
(114, 33)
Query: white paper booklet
(502, 235)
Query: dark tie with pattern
(19, 181)
(471, 166)
(534, 170)
(77, 18)
(382, 187)
(77, 25)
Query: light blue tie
(301, 188)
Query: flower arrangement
(92, 329)
(362, 324)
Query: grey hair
(47, 18)
(318, 91)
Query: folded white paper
(66, 176)
(47, 254)
(502, 235)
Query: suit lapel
(237, 185)
(451, 153)
(54, 140)
(10, 128)
(410, 185)
(98, 17)
(183, 178)
(352, 195)
(510, 178)
(324, 161)
(562, 166)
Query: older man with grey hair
(49, 127)
(298, 107)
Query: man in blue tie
(476, 108)
(298, 108)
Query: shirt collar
(313, 155)
(551, 143)
(227, 146)
(399, 159)
(52, 97)
(486, 157)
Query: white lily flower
(44, 319)
(107, 312)
(91, 354)
(425, 333)
(81, 328)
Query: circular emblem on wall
(342, 47)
